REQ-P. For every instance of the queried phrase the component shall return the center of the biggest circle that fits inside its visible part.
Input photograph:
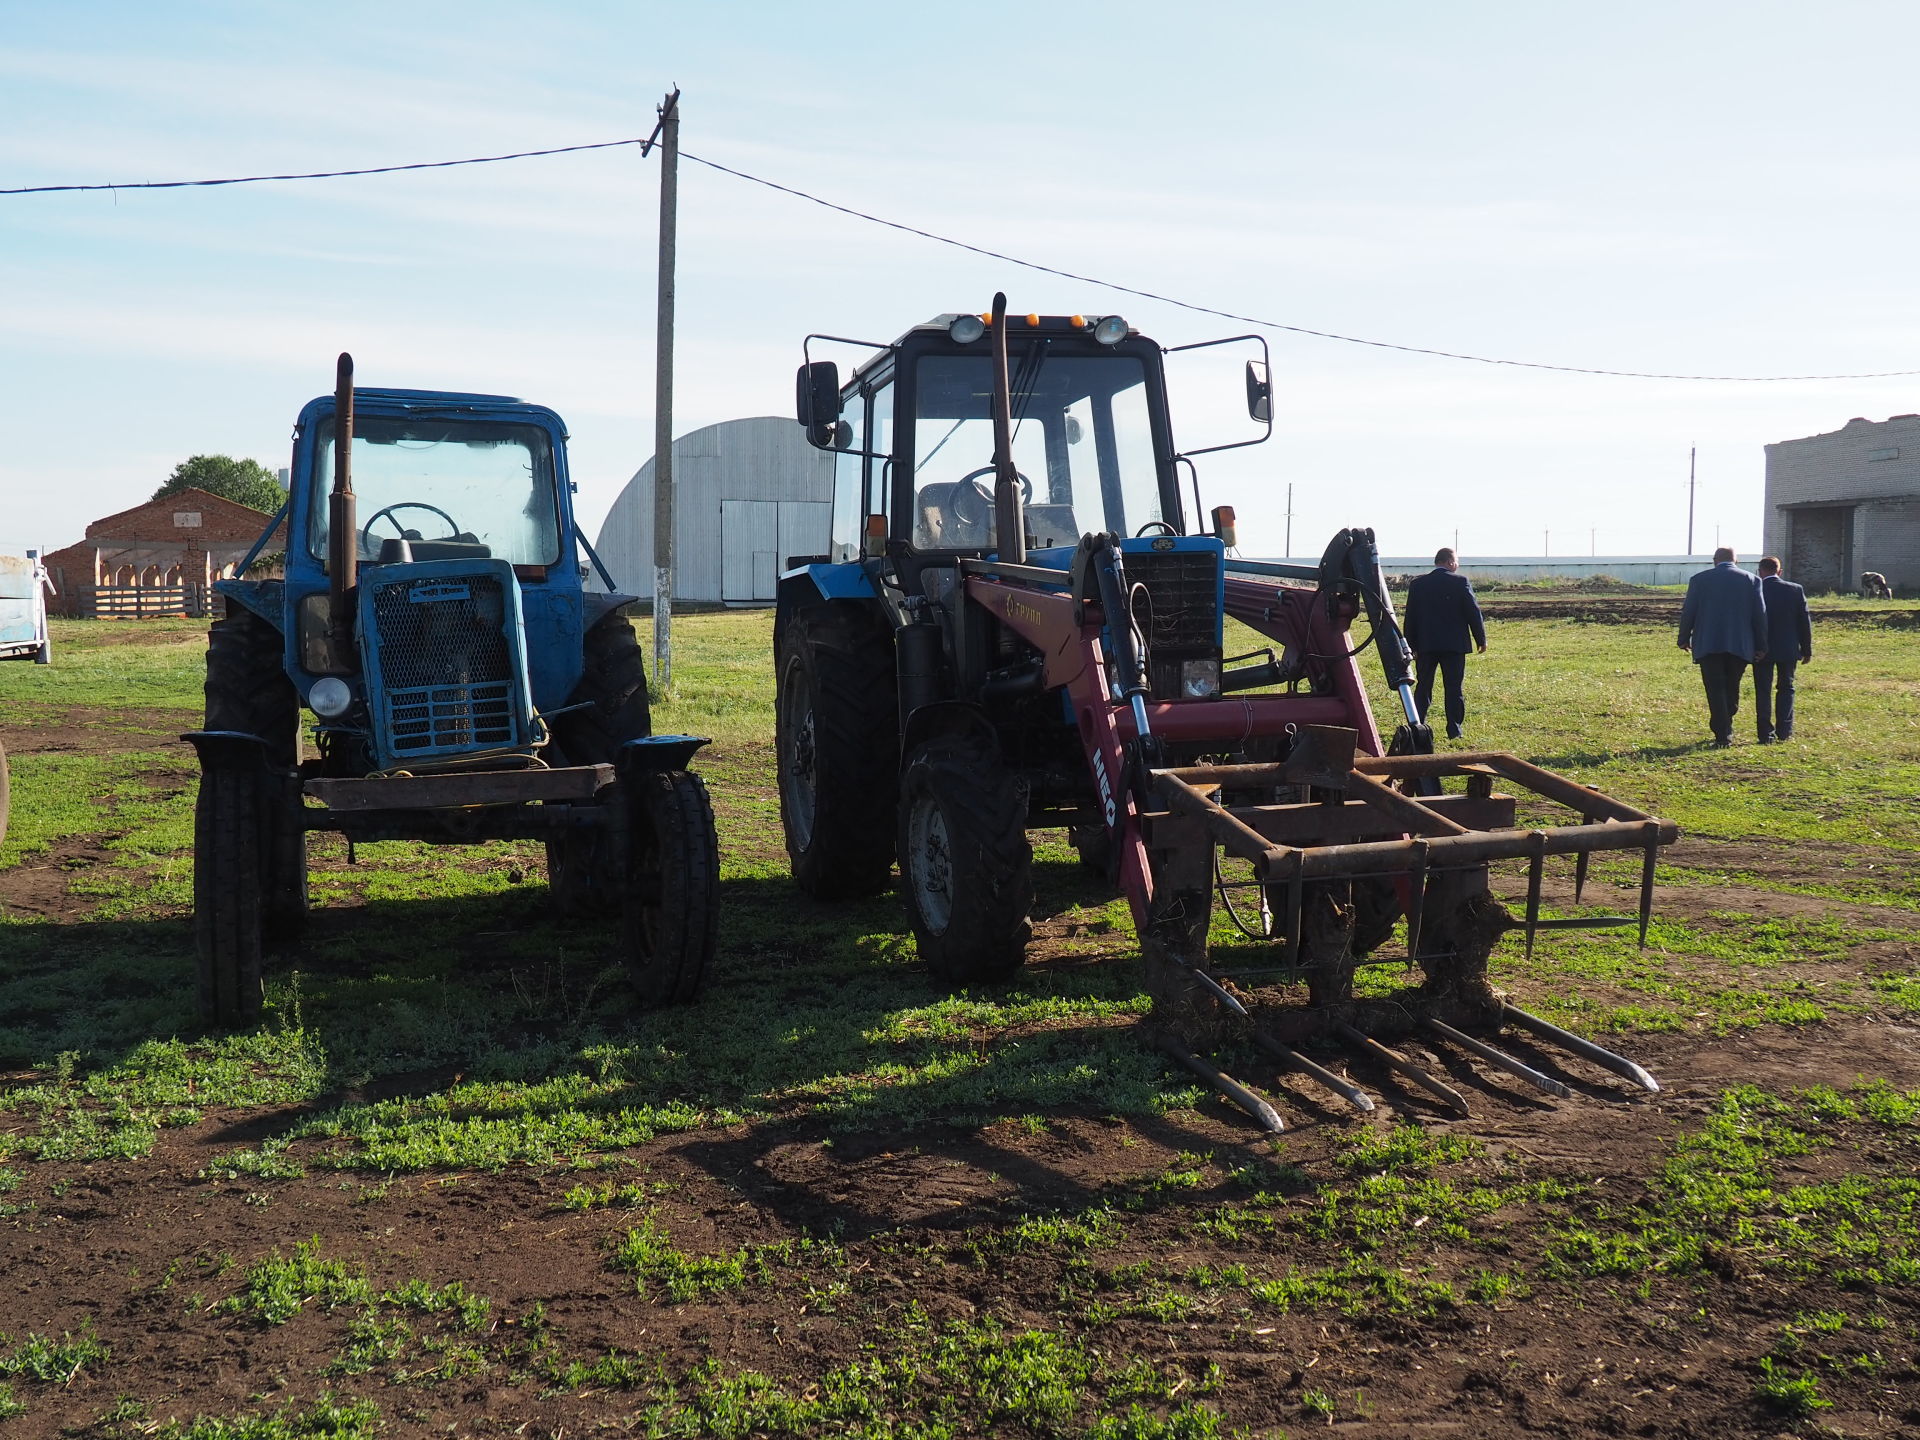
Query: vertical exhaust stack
(343, 527)
(1010, 519)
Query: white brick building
(1847, 501)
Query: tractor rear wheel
(837, 733)
(966, 866)
(672, 892)
(582, 874)
(229, 891)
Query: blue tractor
(463, 686)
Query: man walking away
(1443, 621)
(1724, 624)
(1789, 645)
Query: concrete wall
(1847, 501)
(747, 493)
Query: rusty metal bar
(1498, 1058)
(1646, 890)
(1536, 869)
(1454, 1100)
(1585, 1049)
(1580, 872)
(1386, 856)
(1259, 1109)
(1416, 898)
(1408, 814)
(1239, 837)
(1294, 1060)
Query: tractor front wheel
(672, 895)
(966, 866)
(229, 891)
(581, 873)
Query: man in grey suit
(1724, 624)
(1789, 646)
(1443, 621)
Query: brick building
(1847, 501)
(160, 558)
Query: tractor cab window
(1082, 442)
(454, 489)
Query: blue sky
(1708, 188)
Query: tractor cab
(461, 568)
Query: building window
(186, 519)
(1889, 454)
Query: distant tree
(245, 482)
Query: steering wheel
(1160, 525)
(366, 530)
(969, 485)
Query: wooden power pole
(1691, 453)
(669, 134)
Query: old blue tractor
(464, 686)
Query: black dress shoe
(1723, 742)
(1453, 732)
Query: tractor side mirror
(816, 399)
(1259, 393)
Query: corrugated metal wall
(763, 464)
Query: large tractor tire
(837, 732)
(672, 894)
(229, 892)
(250, 849)
(966, 866)
(583, 874)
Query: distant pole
(1288, 552)
(1691, 452)
(1593, 541)
(1456, 542)
(1546, 543)
(669, 132)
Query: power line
(981, 250)
(1256, 320)
(324, 174)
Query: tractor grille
(446, 668)
(1182, 611)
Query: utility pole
(1456, 542)
(1691, 452)
(1593, 540)
(1546, 543)
(1288, 552)
(668, 131)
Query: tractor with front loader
(1020, 626)
(463, 686)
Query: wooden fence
(146, 602)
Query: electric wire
(324, 174)
(981, 250)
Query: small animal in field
(1874, 586)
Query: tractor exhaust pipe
(343, 527)
(1009, 514)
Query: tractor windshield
(479, 488)
(1082, 442)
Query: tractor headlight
(1199, 679)
(330, 697)
(1110, 329)
(966, 329)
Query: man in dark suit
(1443, 622)
(1724, 624)
(1789, 646)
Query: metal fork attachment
(1342, 847)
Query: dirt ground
(142, 1252)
